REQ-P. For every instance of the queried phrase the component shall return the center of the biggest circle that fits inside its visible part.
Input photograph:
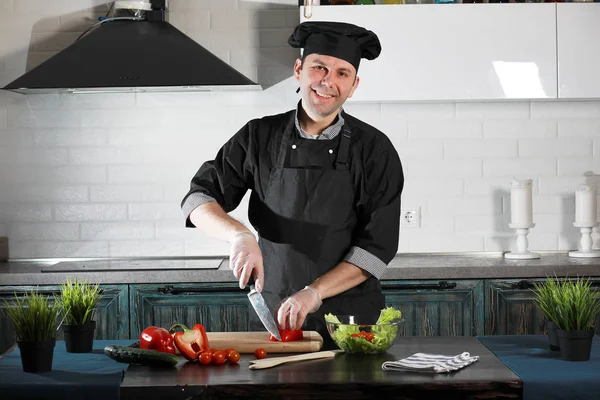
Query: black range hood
(123, 55)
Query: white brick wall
(103, 175)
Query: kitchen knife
(259, 305)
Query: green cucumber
(132, 355)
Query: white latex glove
(293, 310)
(245, 259)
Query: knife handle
(251, 283)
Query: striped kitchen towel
(435, 363)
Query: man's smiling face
(325, 84)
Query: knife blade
(258, 303)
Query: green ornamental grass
(546, 297)
(79, 301)
(33, 317)
(572, 305)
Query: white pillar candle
(521, 202)
(586, 207)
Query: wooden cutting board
(247, 342)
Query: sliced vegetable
(368, 336)
(132, 355)
(288, 335)
(190, 342)
(155, 338)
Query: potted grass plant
(574, 309)
(78, 302)
(546, 295)
(35, 321)
(577, 309)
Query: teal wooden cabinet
(112, 313)
(510, 309)
(437, 308)
(220, 307)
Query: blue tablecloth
(544, 374)
(74, 376)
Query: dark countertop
(345, 377)
(216, 269)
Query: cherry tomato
(260, 353)
(368, 336)
(205, 357)
(219, 357)
(288, 335)
(229, 350)
(233, 356)
(213, 351)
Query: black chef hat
(337, 39)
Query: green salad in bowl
(353, 336)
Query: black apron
(305, 225)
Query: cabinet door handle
(420, 286)
(168, 289)
(522, 285)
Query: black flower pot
(79, 338)
(575, 345)
(37, 356)
(553, 341)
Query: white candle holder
(522, 252)
(586, 242)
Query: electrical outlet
(410, 217)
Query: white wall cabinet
(578, 32)
(455, 51)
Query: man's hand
(245, 259)
(293, 310)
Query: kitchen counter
(346, 376)
(216, 269)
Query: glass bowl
(353, 336)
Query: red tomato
(260, 353)
(229, 350)
(233, 356)
(213, 351)
(368, 336)
(219, 357)
(205, 357)
(288, 335)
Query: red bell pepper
(190, 342)
(288, 335)
(159, 339)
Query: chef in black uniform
(325, 191)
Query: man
(325, 188)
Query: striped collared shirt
(329, 133)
